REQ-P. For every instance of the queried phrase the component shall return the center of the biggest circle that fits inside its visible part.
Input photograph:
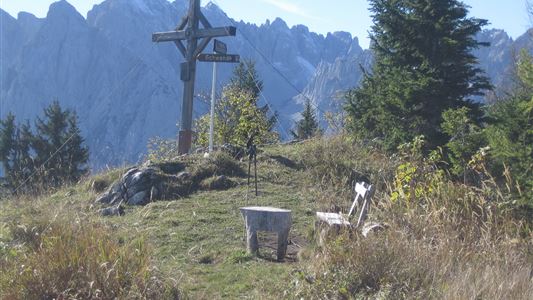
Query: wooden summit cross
(189, 30)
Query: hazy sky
(319, 15)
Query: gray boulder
(138, 186)
(141, 198)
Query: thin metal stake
(212, 117)
(255, 170)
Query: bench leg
(283, 241)
(364, 213)
(251, 241)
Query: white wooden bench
(363, 198)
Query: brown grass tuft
(72, 259)
(445, 240)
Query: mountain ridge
(126, 89)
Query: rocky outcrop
(497, 59)
(168, 181)
(332, 79)
(136, 187)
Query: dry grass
(77, 259)
(397, 266)
(445, 240)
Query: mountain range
(126, 89)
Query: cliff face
(126, 89)
(333, 78)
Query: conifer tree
(245, 78)
(59, 147)
(77, 154)
(15, 146)
(510, 133)
(423, 66)
(54, 155)
(8, 145)
(307, 127)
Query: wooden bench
(363, 197)
(259, 218)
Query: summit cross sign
(197, 39)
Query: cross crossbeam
(197, 39)
(201, 33)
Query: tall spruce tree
(8, 143)
(423, 66)
(307, 127)
(15, 146)
(510, 133)
(54, 155)
(58, 146)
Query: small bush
(216, 183)
(62, 259)
(99, 185)
(219, 163)
(101, 182)
(161, 150)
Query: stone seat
(260, 218)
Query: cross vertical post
(185, 133)
(189, 30)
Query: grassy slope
(199, 240)
(449, 242)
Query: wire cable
(265, 58)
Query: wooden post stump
(270, 219)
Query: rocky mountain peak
(302, 29)
(10, 36)
(64, 10)
(212, 6)
(215, 14)
(342, 35)
(5, 16)
(525, 41)
(25, 17)
(279, 23)
(355, 48)
(29, 23)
